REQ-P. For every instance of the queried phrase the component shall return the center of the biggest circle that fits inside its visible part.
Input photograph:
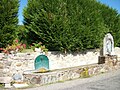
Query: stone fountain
(42, 74)
(41, 63)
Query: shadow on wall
(58, 53)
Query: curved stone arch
(108, 45)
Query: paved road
(106, 81)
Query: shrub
(15, 47)
(70, 25)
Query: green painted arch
(41, 61)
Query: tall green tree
(112, 22)
(70, 24)
(8, 21)
(21, 33)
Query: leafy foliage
(70, 25)
(8, 21)
(21, 34)
(15, 47)
(39, 46)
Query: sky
(23, 3)
(111, 3)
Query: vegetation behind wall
(8, 21)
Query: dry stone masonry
(32, 77)
(20, 67)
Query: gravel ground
(106, 81)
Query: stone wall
(67, 74)
(15, 65)
(59, 60)
(117, 52)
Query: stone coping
(67, 73)
(56, 70)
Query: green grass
(27, 50)
(1, 85)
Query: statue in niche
(109, 46)
(108, 55)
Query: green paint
(41, 62)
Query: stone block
(21, 85)
(1, 72)
(8, 85)
(108, 60)
(101, 59)
(1, 65)
(5, 79)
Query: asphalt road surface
(106, 81)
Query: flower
(1, 49)
(24, 45)
(15, 47)
(40, 46)
(16, 41)
(18, 47)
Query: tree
(8, 21)
(69, 24)
(112, 22)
